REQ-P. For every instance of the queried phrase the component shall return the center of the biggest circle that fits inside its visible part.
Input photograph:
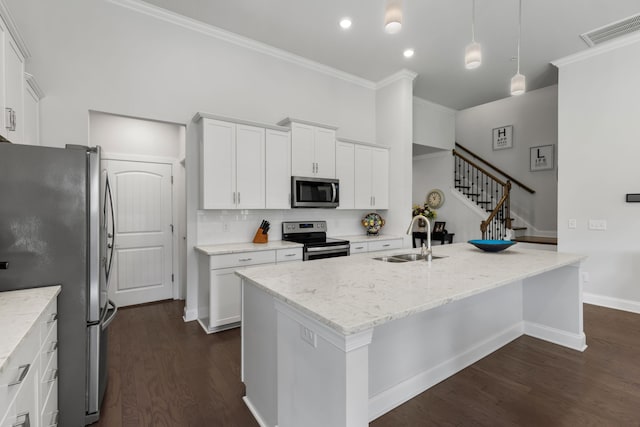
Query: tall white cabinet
(313, 148)
(345, 161)
(278, 169)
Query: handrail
(480, 168)
(504, 200)
(509, 177)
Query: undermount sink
(406, 258)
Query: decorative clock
(435, 199)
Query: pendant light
(518, 82)
(393, 16)
(473, 52)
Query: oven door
(325, 252)
(314, 192)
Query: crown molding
(13, 30)
(227, 36)
(33, 84)
(598, 50)
(400, 75)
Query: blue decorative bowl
(492, 245)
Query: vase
(421, 224)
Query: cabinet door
(218, 165)
(345, 174)
(250, 167)
(224, 298)
(26, 403)
(3, 34)
(380, 178)
(278, 170)
(362, 180)
(14, 89)
(302, 150)
(325, 153)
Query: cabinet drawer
(357, 248)
(284, 255)
(383, 245)
(49, 349)
(241, 259)
(49, 377)
(19, 364)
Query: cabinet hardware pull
(234, 197)
(386, 245)
(374, 200)
(359, 247)
(238, 197)
(54, 347)
(245, 259)
(54, 376)
(23, 374)
(53, 318)
(25, 422)
(290, 255)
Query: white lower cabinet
(28, 383)
(376, 245)
(219, 294)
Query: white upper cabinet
(371, 181)
(232, 165)
(313, 149)
(278, 169)
(345, 173)
(12, 85)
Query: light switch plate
(597, 224)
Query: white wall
(534, 119)
(433, 125)
(599, 130)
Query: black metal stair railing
(487, 191)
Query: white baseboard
(611, 302)
(383, 402)
(190, 314)
(556, 336)
(255, 412)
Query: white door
(302, 150)
(278, 170)
(325, 154)
(380, 178)
(142, 263)
(362, 180)
(344, 173)
(218, 165)
(250, 167)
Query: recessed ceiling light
(345, 23)
(408, 53)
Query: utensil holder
(260, 237)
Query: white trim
(598, 50)
(210, 30)
(345, 343)
(32, 83)
(402, 74)
(368, 144)
(611, 302)
(433, 104)
(387, 400)
(190, 314)
(13, 30)
(442, 152)
(261, 422)
(288, 120)
(199, 116)
(556, 336)
(139, 158)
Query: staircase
(490, 188)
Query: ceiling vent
(612, 31)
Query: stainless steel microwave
(314, 192)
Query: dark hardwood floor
(164, 372)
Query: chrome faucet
(424, 251)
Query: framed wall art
(503, 137)
(541, 157)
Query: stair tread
(537, 239)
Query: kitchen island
(342, 341)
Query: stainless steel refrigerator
(56, 227)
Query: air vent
(612, 31)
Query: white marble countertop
(360, 238)
(19, 311)
(232, 248)
(351, 294)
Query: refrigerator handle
(112, 235)
(109, 315)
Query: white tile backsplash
(236, 226)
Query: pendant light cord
(473, 21)
(519, 32)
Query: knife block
(260, 238)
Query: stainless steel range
(313, 235)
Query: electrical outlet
(308, 336)
(225, 227)
(597, 224)
(585, 277)
(573, 223)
